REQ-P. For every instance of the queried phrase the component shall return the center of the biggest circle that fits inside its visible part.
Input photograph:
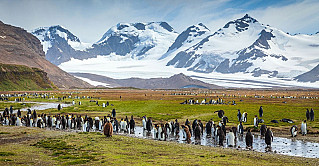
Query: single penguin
(144, 122)
(240, 128)
(132, 124)
(261, 111)
(108, 129)
(220, 113)
(312, 115)
(256, 121)
(268, 137)
(239, 116)
(221, 136)
(230, 139)
(293, 131)
(197, 132)
(304, 128)
(225, 120)
(263, 129)
(244, 117)
(307, 114)
(249, 140)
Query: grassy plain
(33, 146)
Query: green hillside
(19, 77)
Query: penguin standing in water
(63, 122)
(49, 121)
(256, 121)
(249, 140)
(97, 123)
(263, 129)
(230, 139)
(221, 136)
(312, 115)
(304, 128)
(53, 121)
(239, 115)
(132, 125)
(293, 131)
(188, 133)
(197, 132)
(240, 129)
(149, 125)
(155, 130)
(159, 132)
(144, 122)
(209, 128)
(307, 114)
(269, 137)
(261, 111)
(176, 128)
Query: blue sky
(90, 19)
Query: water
(279, 145)
(42, 106)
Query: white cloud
(89, 20)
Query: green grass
(170, 109)
(19, 77)
(96, 149)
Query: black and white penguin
(176, 128)
(132, 124)
(225, 120)
(312, 115)
(220, 113)
(293, 131)
(197, 132)
(304, 128)
(209, 128)
(221, 136)
(268, 137)
(149, 125)
(263, 129)
(113, 113)
(239, 116)
(256, 121)
(230, 139)
(244, 117)
(240, 128)
(63, 122)
(261, 111)
(97, 123)
(249, 140)
(307, 114)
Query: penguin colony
(109, 125)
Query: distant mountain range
(178, 81)
(243, 46)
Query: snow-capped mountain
(59, 44)
(186, 39)
(245, 45)
(240, 52)
(136, 40)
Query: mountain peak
(54, 31)
(241, 24)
